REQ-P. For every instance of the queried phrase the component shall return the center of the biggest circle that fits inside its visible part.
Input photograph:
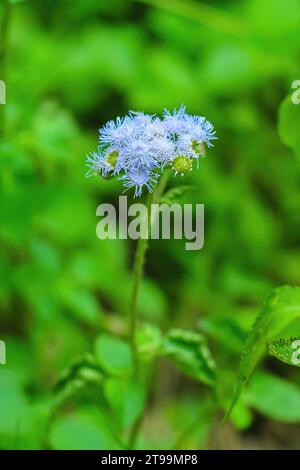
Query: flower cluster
(139, 146)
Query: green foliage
(274, 397)
(190, 353)
(85, 429)
(289, 124)
(64, 294)
(114, 355)
(284, 350)
(149, 341)
(280, 309)
(126, 399)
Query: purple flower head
(200, 130)
(139, 146)
(137, 178)
(174, 121)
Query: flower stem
(139, 265)
(137, 278)
(139, 261)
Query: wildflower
(116, 132)
(137, 147)
(138, 151)
(200, 130)
(175, 122)
(138, 178)
(97, 165)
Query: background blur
(69, 67)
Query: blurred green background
(70, 66)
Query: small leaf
(114, 355)
(267, 394)
(289, 124)
(175, 194)
(190, 353)
(286, 350)
(280, 309)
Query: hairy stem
(139, 265)
(137, 278)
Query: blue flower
(200, 130)
(136, 152)
(137, 178)
(97, 165)
(175, 121)
(139, 146)
(116, 132)
(164, 150)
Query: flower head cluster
(139, 146)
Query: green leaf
(175, 194)
(268, 393)
(286, 350)
(289, 124)
(126, 399)
(114, 355)
(83, 371)
(280, 309)
(225, 330)
(85, 429)
(189, 351)
(84, 367)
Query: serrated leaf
(286, 350)
(281, 307)
(175, 194)
(289, 124)
(189, 351)
(83, 371)
(84, 367)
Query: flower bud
(112, 158)
(182, 164)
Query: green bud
(182, 164)
(112, 158)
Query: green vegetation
(69, 382)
